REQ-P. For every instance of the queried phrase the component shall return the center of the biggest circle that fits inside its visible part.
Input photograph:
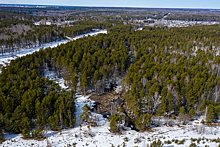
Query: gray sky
(215, 4)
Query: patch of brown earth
(106, 104)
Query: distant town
(58, 23)
(145, 22)
(179, 23)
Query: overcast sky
(215, 4)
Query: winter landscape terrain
(170, 132)
(149, 79)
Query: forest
(28, 36)
(19, 31)
(172, 72)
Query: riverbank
(5, 59)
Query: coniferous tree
(191, 113)
(1, 133)
(86, 113)
(143, 121)
(210, 114)
(162, 107)
(115, 122)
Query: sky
(210, 4)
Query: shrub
(193, 139)
(167, 142)
(156, 144)
(215, 140)
(74, 144)
(181, 141)
(137, 140)
(202, 121)
(123, 144)
(176, 141)
(192, 145)
(126, 139)
(198, 140)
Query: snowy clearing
(101, 136)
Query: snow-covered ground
(100, 136)
(6, 58)
(91, 34)
(53, 76)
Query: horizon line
(105, 6)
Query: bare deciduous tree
(187, 79)
(169, 86)
(144, 81)
(155, 75)
(155, 59)
(174, 78)
(216, 93)
(155, 102)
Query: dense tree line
(30, 102)
(9, 18)
(38, 35)
(92, 61)
(174, 68)
(81, 27)
(168, 71)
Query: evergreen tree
(115, 122)
(142, 121)
(182, 117)
(1, 133)
(170, 103)
(84, 83)
(191, 113)
(162, 107)
(26, 127)
(86, 113)
(210, 114)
